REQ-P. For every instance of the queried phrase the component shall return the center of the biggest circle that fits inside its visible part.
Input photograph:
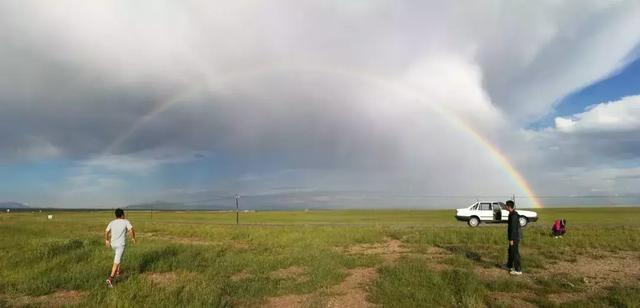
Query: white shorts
(119, 250)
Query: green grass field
(320, 259)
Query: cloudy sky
(370, 103)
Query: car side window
(503, 206)
(496, 206)
(485, 206)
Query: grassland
(320, 259)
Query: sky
(319, 104)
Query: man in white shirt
(115, 236)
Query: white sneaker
(515, 273)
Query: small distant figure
(559, 228)
(115, 237)
(514, 234)
(49, 217)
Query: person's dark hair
(511, 204)
(119, 213)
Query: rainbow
(492, 149)
(506, 164)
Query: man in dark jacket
(514, 234)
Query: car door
(505, 213)
(497, 211)
(485, 212)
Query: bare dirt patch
(598, 273)
(57, 299)
(240, 245)
(352, 291)
(437, 253)
(491, 273)
(391, 249)
(294, 301)
(562, 298)
(240, 276)
(294, 272)
(164, 279)
(512, 299)
(439, 267)
(434, 255)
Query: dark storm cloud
(307, 86)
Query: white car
(492, 212)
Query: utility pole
(514, 198)
(237, 210)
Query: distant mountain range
(12, 205)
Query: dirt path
(350, 293)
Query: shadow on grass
(470, 255)
(529, 260)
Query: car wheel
(474, 221)
(523, 221)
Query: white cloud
(617, 116)
(535, 53)
(565, 124)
